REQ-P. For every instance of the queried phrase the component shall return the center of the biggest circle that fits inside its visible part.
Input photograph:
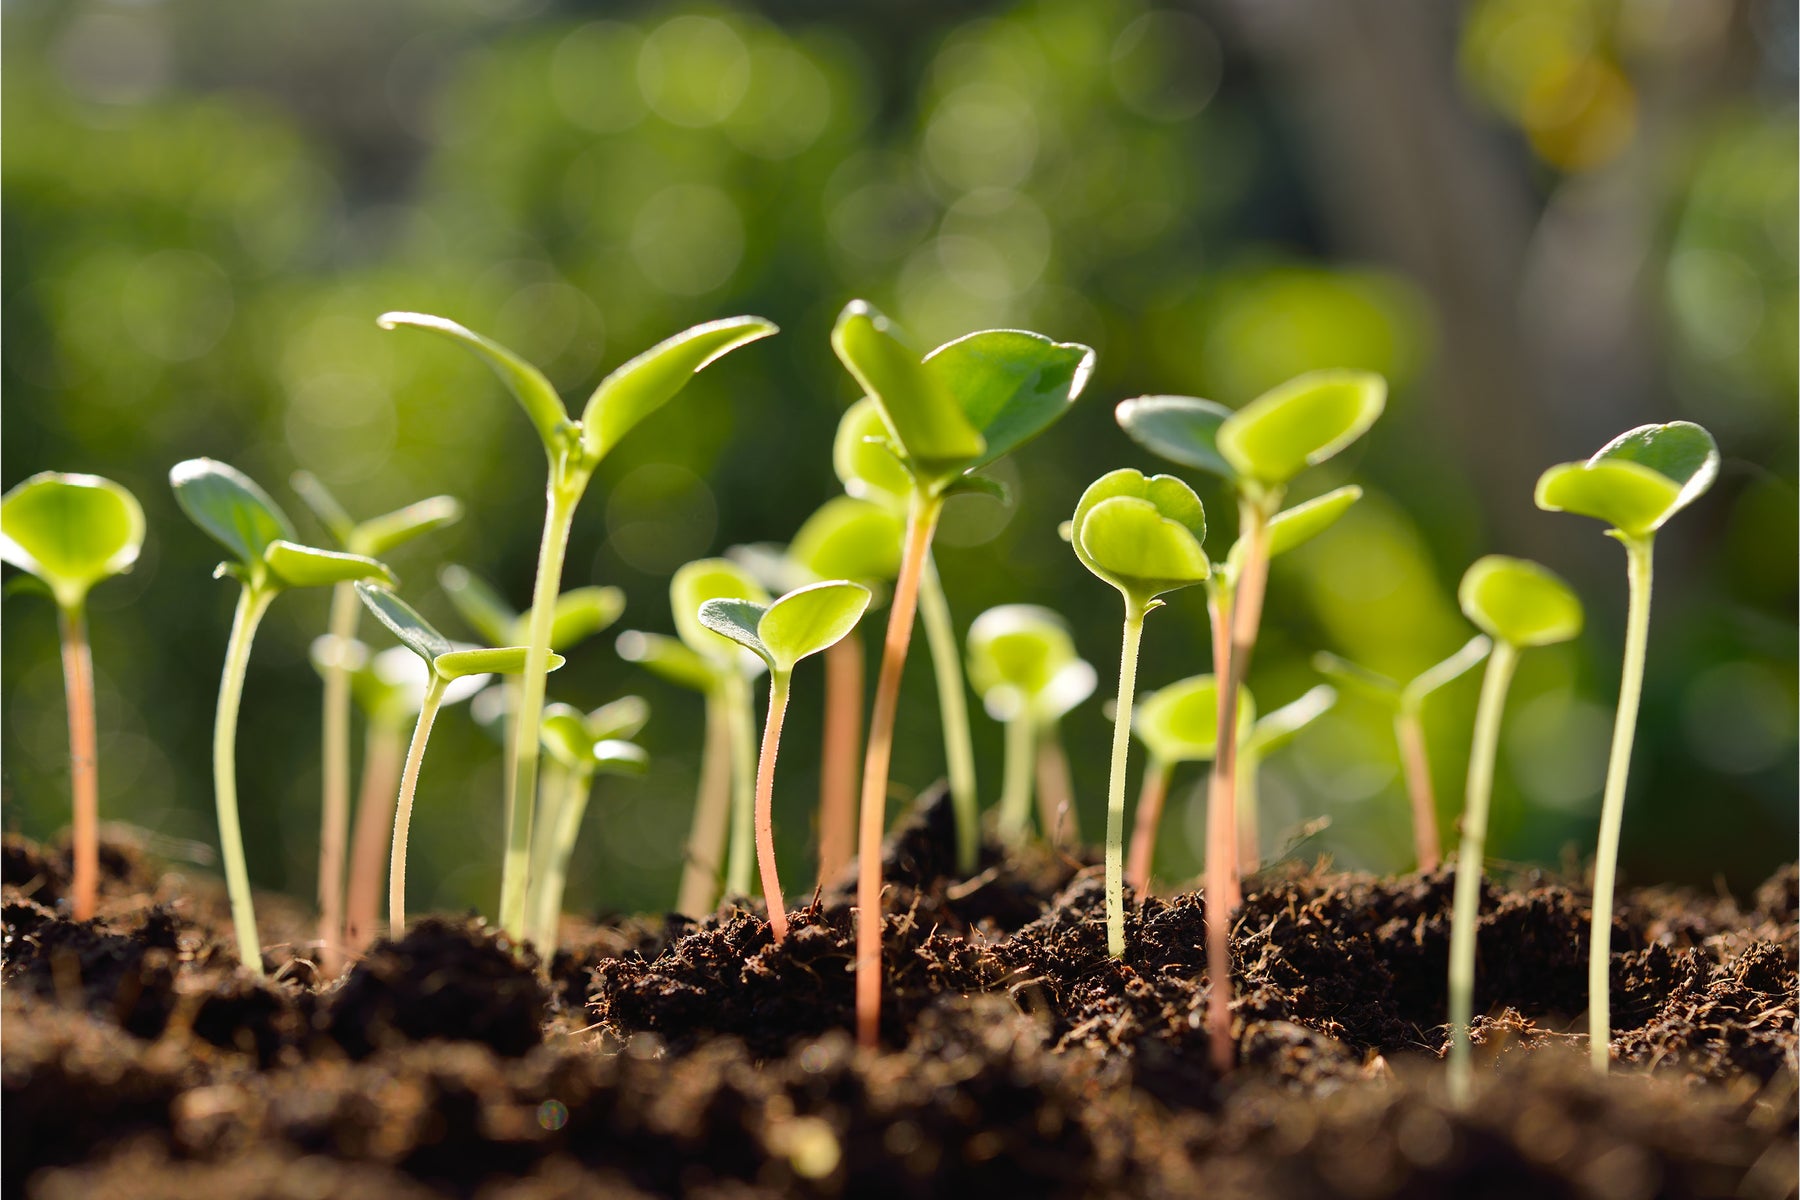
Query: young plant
(1406, 702)
(964, 406)
(574, 449)
(585, 745)
(447, 664)
(71, 532)
(372, 539)
(1259, 449)
(266, 561)
(1268, 734)
(1634, 483)
(793, 627)
(1143, 536)
(1518, 604)
(1178, 723)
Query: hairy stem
(741, 721)
(1144, 824)
(1409, 732)
(765, 802)
(1015, 783)
(700, 874)
(334, 774)
(953, 710)
(84, 770)
(1055, 789)
(571, 805)
(384, 749)
(252, 603)
(1115, 790)
(837, 761)
(409, 784)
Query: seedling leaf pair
(1142, 534)
(599, 740)
(240, 516)
(1023, 663)
(1637, 481)
(440, 654)
(801, 623)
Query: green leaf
(1011, 384)
(377, 535)
(563, 731)
(1637, 481)
(1142, 535)
(1180, 722)
(488, 660)
(1276, 729)
(1300, 524)
(527, 384)
(668, 658)
(476, 601)
(307, 566)
(847, 538)
(867, 459)
(978, 485)
(709, 579)
(70, 531)
(738, 621)
(404, 621)
(614, 757)
(1517, 601)
(1016, 652)
(920, 411)
(1181, 429)
(808, 620)
(621, 718)
(1071, 685)
(230, 508)
(1358, 678)
(1435, 677)
(1300, 423)
(317, 497)
(1680, 450)
(653, 378)
(579, 614)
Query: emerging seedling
(584, 745)
(371, 538)
(1518, 604)
(1143, 536)
(71, 532)
(1178, 723)
(266, 561)
(1406, 702)
(447, 664)
(574, 449)
(794, 626)
(1634, 483)
(1268, 734)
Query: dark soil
(672, 1057)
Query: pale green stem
(953, 709)
(1467, 911)
(765, 802)
(1612, 806)
(740, 861)
(553, 789)
(409, 785)
(84, 778)
(1249, 804)
(1115, 791)
(576, 787)
(1409, 732)
(252, 603)
(1015, 785)
(334, 809)
(700, 875)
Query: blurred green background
(1543, 220)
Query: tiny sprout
(1634, 483)
(447, 663)
(1143, 536)
(1268, 734)
(793, 627)
(71, 532)
(583, 745)
(574, 448)
(239, 515)
(1406, 703)
(1518, 604)
(1177, 723)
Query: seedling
(574, 449)
(71, 532)
(1268, 734)
(266, 561)
(1518, 604)
(1406, 703)
(1259, 449)
(967, 404)
(1143, 536)
(447, 664)
(372, 538)
(794, 626)
(1634, 483)
(584, 745)
(1178, 723)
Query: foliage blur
(1543, 220)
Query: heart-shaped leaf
(1141, 534)
(580, 613)
(1279, 727)
(70, 531)
(921, 413)
(614, 757)
(488, 660)
(668, 658)
(1016, 652)
(476, 601)
(377, 535)
(1637, 481)
(1180, 722)
(1517, 601)
(1300, 423)
(298, 566)
(230, 508)
(403, 620)
(1182, 429)
(709, 579)
(867, 459)
(810, 619)
(1011, 384)
(1432, 678)
(534, 393)
(653, 378)
(316, 496)
(847, 538)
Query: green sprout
(1267, 734)
(1406, 702)
(792, 627)
(574, 449)
(1634, 483)
(1259, 449)
(1518, 604)
(71, 532)
(266, 561)
(583, 745)
(447, 664)
(1177, 723)
(968, 403)
(1022, 662)
(371, 538)
(1143, 536)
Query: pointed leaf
(668, 658)
(404, 621)
(488, 660)
(230, 508)
(709, 579)
(866, 457)
(737, 620)
(476, 601)
(70, 531)
(1011, 384)
(307, 566)
(1182, 429)
(621, 718)
(1300, 524)
(849, 539)
(1517, 601)
(534, 393)
(653, 378)
(580, 613)
(921, 413)
(318, 498)
(1300, 423)
(808, 620)
(377, 535)
(1435, 677)
(1142, 535)
(1276, 729)
(615, 757)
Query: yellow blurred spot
(1580, 115)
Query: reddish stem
(765, 805)
(837, 762)
(1144, 826)
(383, 750)
(78, 686)
(1056, 791)
(1417, 769)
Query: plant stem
(741, 722)
(334, 808)
(1249, 806)
(1015, 784)
(553, 792)
(409, 783)
(383, 751)
(1055, 789)
(1145, 823)
(1409, 732)
(576, 787)
(1115, 790)
(1612, 806)
(1467, 910)
(953, 710)
(712, 810)
(521, 792)
(252, 603)
(921, 521)
(84, 776)
(837, 761)
(765, 802)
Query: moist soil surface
(671, 1057)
